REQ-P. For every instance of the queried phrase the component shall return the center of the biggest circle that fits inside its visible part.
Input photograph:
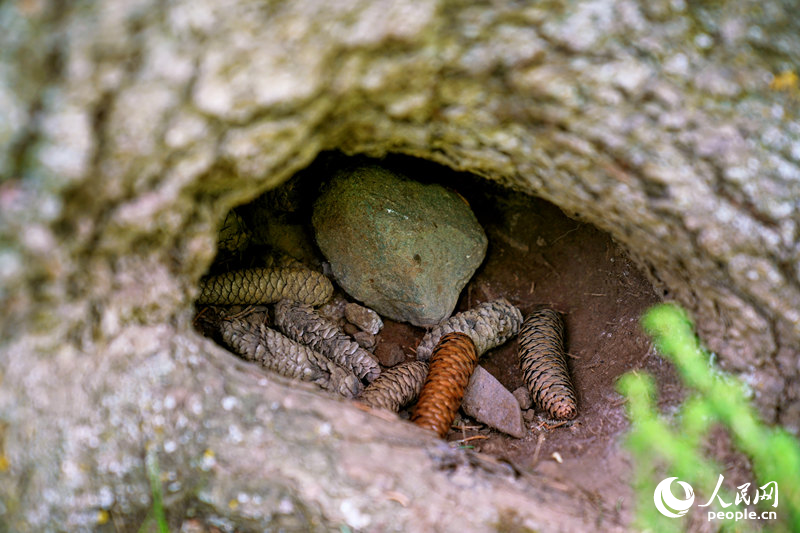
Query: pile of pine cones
(301, 336)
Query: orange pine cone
(452, 363)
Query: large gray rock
(404, 248)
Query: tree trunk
(130, 128)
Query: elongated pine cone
(265, 285)
(544, 365)
(301, 323)
(396, 387)
(260, 344)
(452, 363)
(489, 324)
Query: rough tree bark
(128, 130)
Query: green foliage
(156, 514)
(675, 445)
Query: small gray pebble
(523, 396)
(350, 329)
(365, 340)
(363, 317)
(334, 309)
(529, 415)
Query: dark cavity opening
(536, 256)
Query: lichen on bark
(131, 128)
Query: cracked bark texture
(129, 129)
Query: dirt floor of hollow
(539, 256)
(536, 256)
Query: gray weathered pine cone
(489, 325)
(260, 344)
(544, 365)
(396, 387)
(301, 323)
(233, 236)
(265, 285)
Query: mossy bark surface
(129, 129)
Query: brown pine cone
(396, 387)
(544, 365)
(452, 363)
(265, 285)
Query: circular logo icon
(669, 505)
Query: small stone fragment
(488, 401)
(389, 354)
(403, 248)
(350, 329)
(529, 415)
(363, 317)
(333, 310)
(523, 396)
(365, 340)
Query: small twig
(198, 315)
(546, 425)
(538, 448)
(244, 312)
(398, 497)
(619, 402)
(466, 427)
(541, 258)
(474, 437)
(565, 234)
